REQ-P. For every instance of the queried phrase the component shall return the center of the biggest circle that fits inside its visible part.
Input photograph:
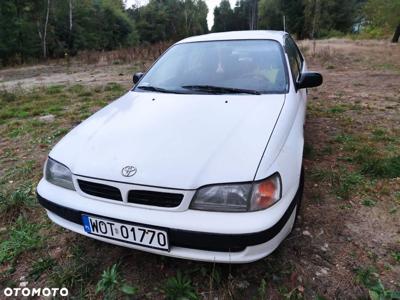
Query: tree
(45, 30)
(162, 20)
(19, 39)
(303, 18)
(271, 14)
(223, 17)
(241, 15)
(384, 14)
(324, 17)
(396, 34)
(253, 14)
(293, 10)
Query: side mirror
(309, 80)
(137, 76)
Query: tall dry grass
(148, 52)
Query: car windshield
(219, 67)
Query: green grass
(108, 283)
(397, 196)
(387, 67)
(369, 278)
(15, 130)
(85, 93)
(22, 105)
(25, 135)
(382, 167)
(337, 109)
(368, 202)
(379, 292)
(343, 182)
(325, 175)
(41, 266)
(54, 89)
(6, 96)
(179, 287)
(380, 134)
(347, 182)
(262, 289)
(14, 203)
(367, 152)
(366, 276)
(111, 284)
(76, 273)
(308, 151)
(55, 109)
(396, 256)
(326, 150)
(344, 138)
(114, 87)
(23, 236)
(363, 153)
(20, 172)
(77, 88)
(13, 112)
(52, 137)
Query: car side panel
(284, 152)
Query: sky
(210, 3)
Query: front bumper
(198, 235)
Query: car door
(297, 67)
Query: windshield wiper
(220, 89)
(158, 89)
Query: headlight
(239, 197)
(58, 174)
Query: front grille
(100, 190)
(155, 198)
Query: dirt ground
(44, 75)
(346, 244)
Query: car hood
(173, 140)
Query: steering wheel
(257, 76)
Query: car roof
(238, 35)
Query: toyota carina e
(201, 159)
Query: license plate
(127, 233)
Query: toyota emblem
(128, 171)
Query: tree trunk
(396, 35)
(20, 40)
(253, 15)
(45, 30)
(315, 25)
(70, 35)
(39, 29)
(70, 16)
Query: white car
(201, 160)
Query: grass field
(345, 246)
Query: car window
(241, 64)
(299, 57)
(295, 58)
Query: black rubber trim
(192, 239)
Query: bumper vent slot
(155, 198)
(100, 190)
